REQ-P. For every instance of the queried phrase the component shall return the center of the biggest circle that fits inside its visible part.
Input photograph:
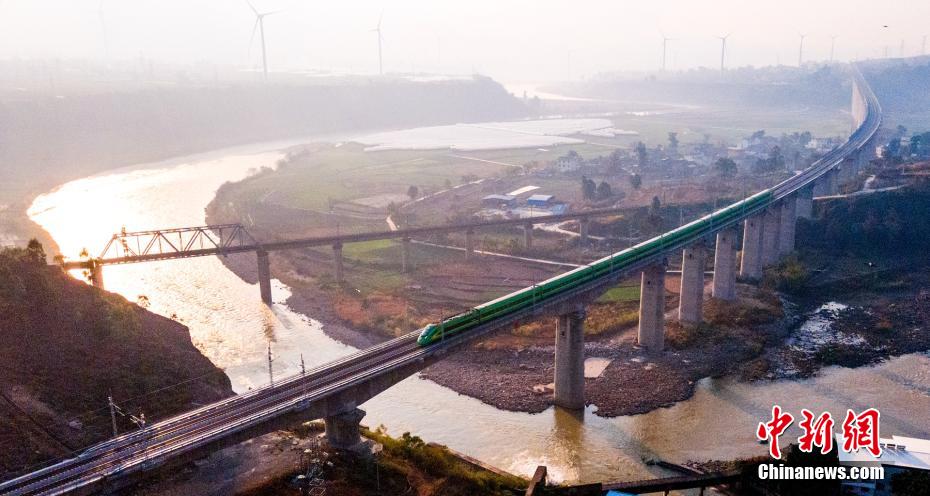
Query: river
(232, 328)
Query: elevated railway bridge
(334, 391)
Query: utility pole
(112, 413)
(303, 369)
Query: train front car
(427, 335)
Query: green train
(540, 293)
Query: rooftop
(898, 451)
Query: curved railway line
(140, 451)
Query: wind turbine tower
(260, 26)
(801, 49)
(723, 51)
(665, 41)
(103, 30)
(380, 39)
(832, 47)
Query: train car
(540, 293)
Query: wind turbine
(923, 46)
(380, 39)
(832, 47)
(260, 26)
(723, 50)
(801, 49)
(103, 29)
(665, 41)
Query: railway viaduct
(334, 391)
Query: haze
(510, 41)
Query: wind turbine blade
(380, 17)
(252, 7)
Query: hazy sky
(508, 40)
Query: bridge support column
(832, 177)
(338, 267)
(805, 203)
(771, 221)
(652, 308)
(822, 186)
(725, 265)
(691, 297)
(96, 275)
(569, 360)
(470, 243)
(264, 276)
(342, 429)
(583, 225)
(751, 263)
(787, 225)
(405, 261)
(528, 235)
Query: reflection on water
(232, 328)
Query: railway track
(152, 446)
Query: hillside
(64, 346)
(766, 87)
(48, 139)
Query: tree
(673, 142)
(636, 181)
(725, 167)
(805, 138)
(615, 161)
(641, 153)
(35, 252)
(413, 192)
(654, 218)
(757, 135)
(588, 188)
(603, 191)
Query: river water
(232, 328)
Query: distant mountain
(814, 86)
(51, 139)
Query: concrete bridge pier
(804, 205)
(339, 272)
(96, 275)
(406, 262)
(583, 225)
(751, 263)
(787, 225)
(470, 243)
(569, 359)
(264, 276)
(528, 235)
(342, 429)
(832, 178)
(651, 333)
(771, 229)
(724, 286)
(691, 297)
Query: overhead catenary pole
(270, 371)
(112, 413)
